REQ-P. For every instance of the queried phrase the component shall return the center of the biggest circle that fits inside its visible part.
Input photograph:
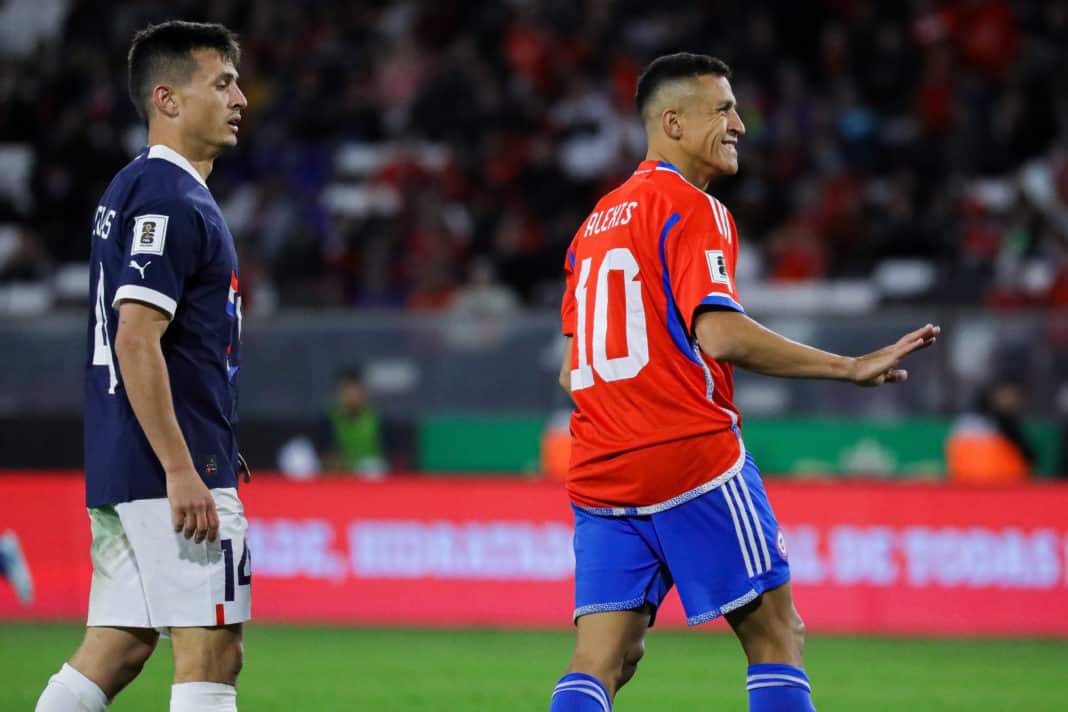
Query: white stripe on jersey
(715, 214)
(726, 221)
(719, 212)
(145, 294)
(710, 384)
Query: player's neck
(693, 171)
(200, 161)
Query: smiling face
(210, 103)
(709, 125)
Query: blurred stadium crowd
(432, 155)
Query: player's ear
(669, 122)
(164, 100)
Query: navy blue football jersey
(159, 238)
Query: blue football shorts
(722, 549)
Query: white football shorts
(146, 575)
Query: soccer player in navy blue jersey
(161, 457)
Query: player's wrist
(180, 472)
(845, 368)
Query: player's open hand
(192, 506)
(880, 366)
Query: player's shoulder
(616, 194)
(683, 195)
(140, 187)
(697, 208)
(163, 179)
(164, 205)
(719, 215)
(173, 166)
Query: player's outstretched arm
(147, 383)
(735, 338)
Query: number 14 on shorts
(242, 572)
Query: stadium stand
(896, 151)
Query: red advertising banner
(878, 558)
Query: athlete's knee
(113, 661)
(229, 661)
(770, 630)
(237, 658)
(631, 657)
(202, 656)
(797, 631)
(133, 659)
(613, 667)
(604, 665)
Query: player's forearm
(737, 339)
(147, 383)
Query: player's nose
(736, 124)
(238, 99)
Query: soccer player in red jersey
(663, 489)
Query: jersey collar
(651, 165)
(172, 156)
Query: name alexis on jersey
(603, 220)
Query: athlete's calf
(773, 637)
(608, 647)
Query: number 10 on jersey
(618, 368)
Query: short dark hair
(670, 67)
(350, 373)
(164, 51)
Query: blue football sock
(578, 692)
(778, 688)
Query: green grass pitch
(312, 669)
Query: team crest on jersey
(717, 267)
(149, 235)
(780, 544)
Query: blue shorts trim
(726, 608)
(721, 548)
(628, 605)
(696, 492)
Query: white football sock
(203, 697)
(70, 691)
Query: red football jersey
(655, 424)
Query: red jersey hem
(603, 508)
